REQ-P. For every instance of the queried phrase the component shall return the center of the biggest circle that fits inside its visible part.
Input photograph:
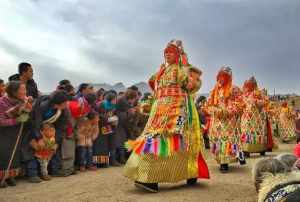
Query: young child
(45, 148)
(87, 132)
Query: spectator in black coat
(26, 76)
(48, 109)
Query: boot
(35, 179)
(191, 181)
(122, 155)
(11, 182)
(92, 168)
(115, 163)
(61, 173)
(263, 153)
(152, 187)
(224, 168)
(4, 185)
(242, 158)
(82, 169)
(45, 177)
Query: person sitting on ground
(44, 149)
(2, 88)
(274, 183)
(87, 132)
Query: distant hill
(143, 86)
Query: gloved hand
(23, 118)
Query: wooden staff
(6, 173)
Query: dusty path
(108, 185)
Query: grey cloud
(258, 38)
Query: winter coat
(31, 86)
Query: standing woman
(170, 148)
(224, 108)
(104, 149)
(13, 106)
(253, 121)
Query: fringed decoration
(148, 146)
(176, 143)
(140, 147)
(163, 148)
(157, 146)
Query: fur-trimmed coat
(272, 186)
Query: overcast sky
(110, 41)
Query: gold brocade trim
(182, 165)
(153, 169)
(224, 159)
(253, 148)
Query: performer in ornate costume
(254, 120)
(171, 145)
(225, 107)
(286, 123)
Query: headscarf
(250, 84)
(176, 47)
(224, 72)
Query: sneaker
(11, 182)
(35, 179)
(152, 187)
(45, 177)
(191, 181)
(82, 169)
(92, 168)
(3, 185)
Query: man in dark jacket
(26, 76)
(124, 112)
(49, 109)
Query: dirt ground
(109, 185)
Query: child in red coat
(45, 148)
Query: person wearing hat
(286, 124)
(225, 107)
(170, 147)
(253, 121)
